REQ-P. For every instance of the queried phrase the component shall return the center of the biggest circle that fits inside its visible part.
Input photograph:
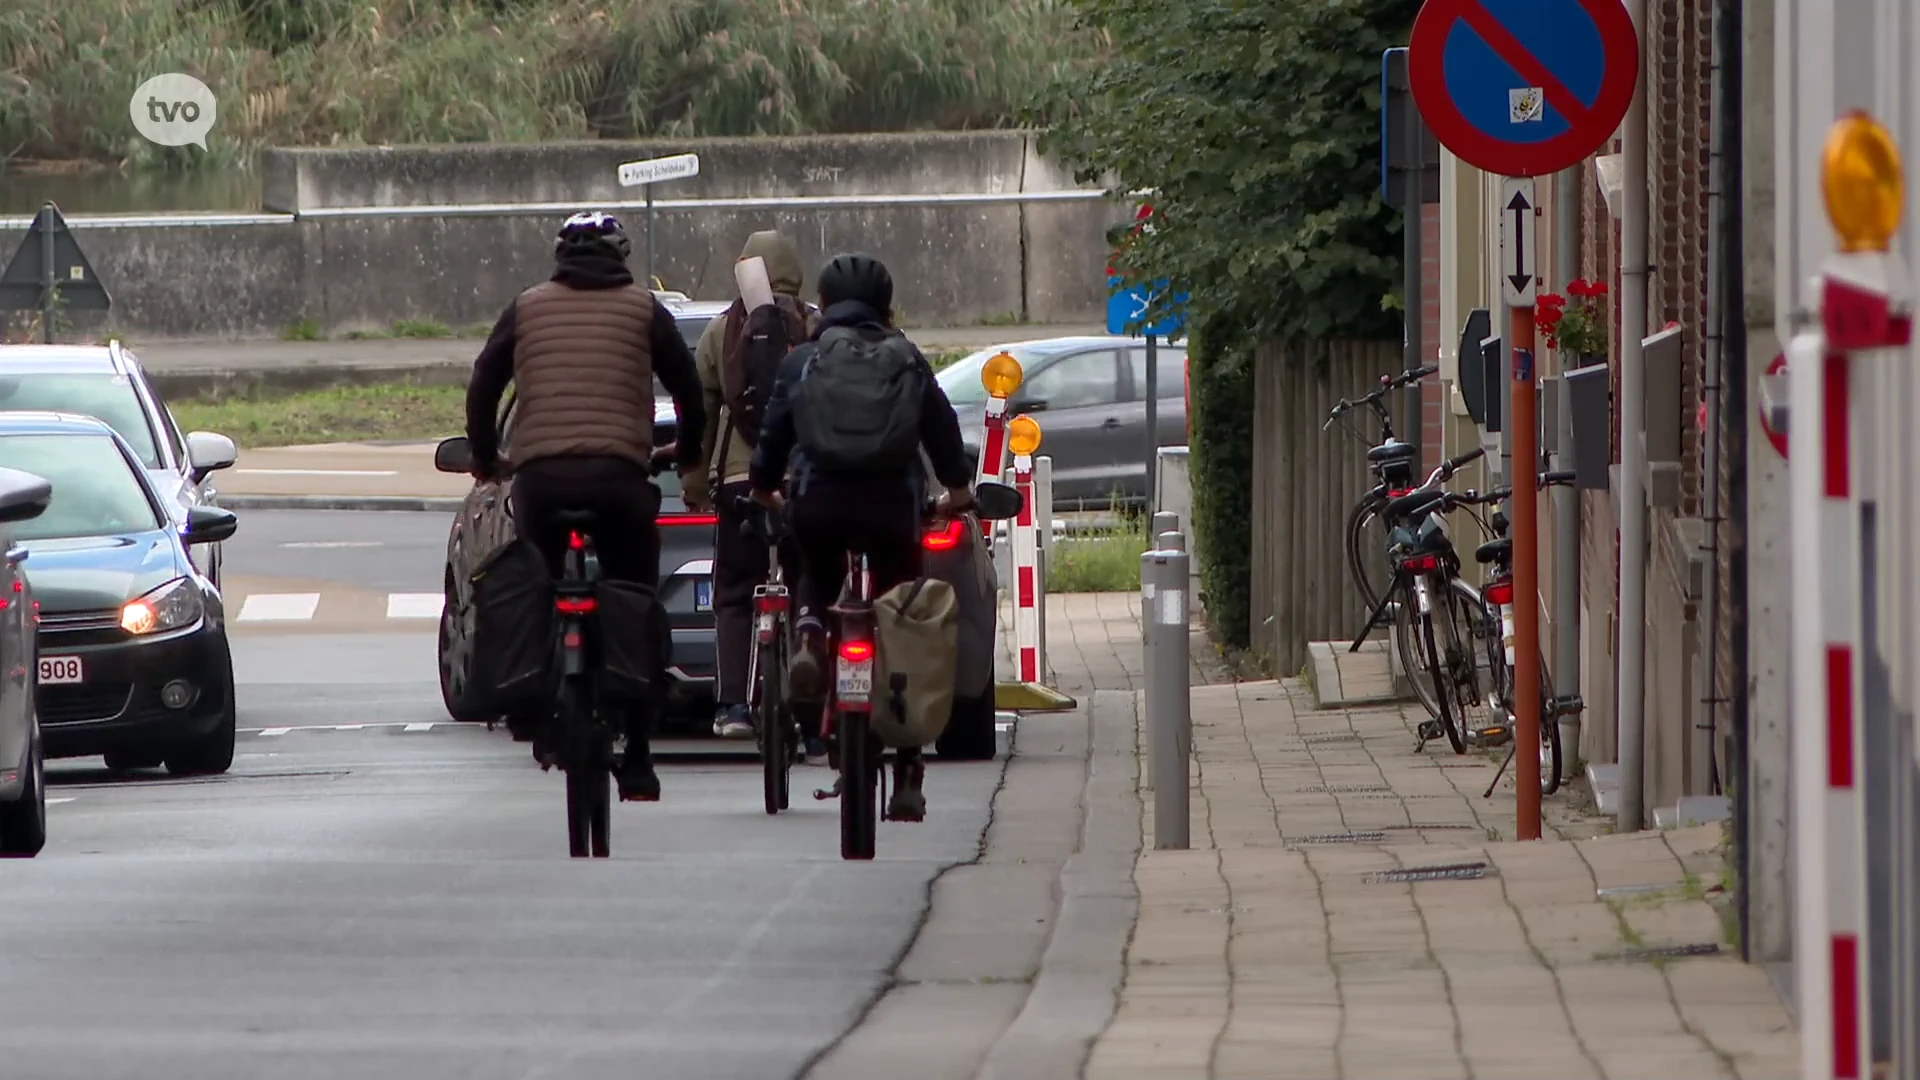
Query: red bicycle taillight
(1499, 593)
(944, 538)
(769, 605)
(856, 650)
(689, 519)
(1421, 564)
(1394, 493)
(574, 605)
(576, 542)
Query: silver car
(23, 782)
(107, 382)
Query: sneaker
(804, 670)
(815, 750)
(733, 722)
(908, 802)
(637, 780)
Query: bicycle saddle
(1393, 451)
(1494, 550)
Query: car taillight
(1499, 593)
(574, 605)
(1421, 564)
(856, 651)
(945, 537)
(689, 519)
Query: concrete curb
(181, 384)
(414, 503)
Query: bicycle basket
(515, 631)
(917, 625)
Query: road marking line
(279, 607)
(417, 727)
(267, 733)
(414, 605)
(358, 727)
(318, 472)
(349, 727)
(334, 544)
(68, 798)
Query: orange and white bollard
(1023, 437)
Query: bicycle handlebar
(1387, 383)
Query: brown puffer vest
(583, 373)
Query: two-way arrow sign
(1519, 282)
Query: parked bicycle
(1392, 463)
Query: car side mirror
(209, 524)
(208, 453)
(23, 496)
(453, 455)
(994, 501)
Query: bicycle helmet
(591, 232)
(856, 277)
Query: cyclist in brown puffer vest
(582, 350)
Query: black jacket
(778, 454)
(672, 365)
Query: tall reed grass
(328, 72)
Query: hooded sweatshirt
(786, 278)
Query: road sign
(1128, 306)
(49, 272)
(1397, 110)
(1523, 87)
(1519, 269)
(654, 170)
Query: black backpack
(857, 408)
(756, 341)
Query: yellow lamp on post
(1860, 179)
(1023, 436)
(1001, 375)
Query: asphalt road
(394, 899)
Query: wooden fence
(1304, 483)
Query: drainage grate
(1341, 789)
(1344, 838)
(1316, 740)
(1669, 952)
(1433, 825)
(1439, 764)
(1448, 872)
(1405, 797)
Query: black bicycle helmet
(591, 232)
(856, 277)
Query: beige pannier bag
(918, 627)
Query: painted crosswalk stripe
(318, 472)
(272, 731)
(414, 605)
(67, 798)
(417, 727)
(279, 607)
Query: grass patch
(421, 328)
(339, 414)
(304, 330)
(1103, 561)
(1003, 318)
(941, 359)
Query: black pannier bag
(633, 635)
(514, 665)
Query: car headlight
(169, 607)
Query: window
(103, 395)
(1075, 382)
(95, 493)
(1170, 365)
(961, 379)
(174, 437)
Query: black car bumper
(118, 703)
(691, 667)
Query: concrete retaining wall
(243, 276)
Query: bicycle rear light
(770, 604)
(574, 605)
(576, 542)
(1500, 592)
(856, 651)
(1421, 564)
(689, 519)
(944, 537)
(1394, 493)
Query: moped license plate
(855, 679)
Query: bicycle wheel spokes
(1413, 657)
(1442, 679)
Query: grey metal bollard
(1169, 711)
(1171, 540)
(1165, 521)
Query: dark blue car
(132, 662)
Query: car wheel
(131, 760)
(23, 822)
(456, 690)
(970, 734)
(212, 753)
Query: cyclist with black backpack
(739, 358)
(851, 411)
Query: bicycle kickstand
(1373, 618)
(1511, 747)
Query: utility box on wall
(1589, 395)
(1664, 417)
(1472, 369)
(1493, 384)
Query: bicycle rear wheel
(577, 764)
(770, 717)
(1366, 552)
(1550, 754)
(1413, 658)
(1442, 678)
(859, 787)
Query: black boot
(638, 782)
(908, 802)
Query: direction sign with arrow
(1519, 276)
(654, 170)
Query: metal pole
(1411, 256)
(1524, 431)
(1176, 541)
(47, 302)
(1169, 721)
(1152, 395)
(1566, 500)
(649, 283)
(1043, 501)
(1630, 693)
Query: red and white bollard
(1026, 572)
(993, 442)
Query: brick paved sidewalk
(1271, 950)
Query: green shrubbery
(320, 72)
(1256, 122)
